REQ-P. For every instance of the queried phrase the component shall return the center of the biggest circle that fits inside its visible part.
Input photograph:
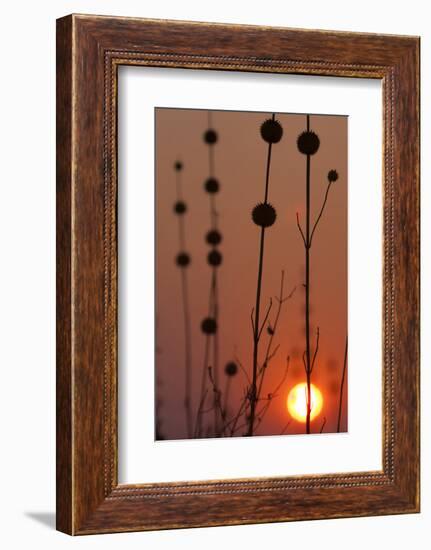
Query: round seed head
(212, 185)
(271, 131)
(180, 207)
(332, 175)
(210, 136)
(209, 326)
(264, 214)
(231, 368)
(178, 166)
(308, 143)
(214, 258)
(182, 259)
(213, 237)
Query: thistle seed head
(308, 143)
(271, 131)
(264, 214)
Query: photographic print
(237, 274)
(251, 273)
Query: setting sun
(297, 402)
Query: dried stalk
(182, 262)
(308, 144)
(264, 216)
(340, 402)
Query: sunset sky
(239, 164)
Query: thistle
(230, 370)
(308, 144)
(183, 261)
(209, 325)
(264, 216)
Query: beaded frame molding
(89, 51)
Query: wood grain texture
(64, 496)
(90, 49)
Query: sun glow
(297, 402)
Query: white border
(143, 460)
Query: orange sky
(240, 164)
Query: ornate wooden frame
(89, 51)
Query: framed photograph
(237, 274)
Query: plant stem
(340, 404)
(253, 396)
(186, 316)
(216, 350)
(188, 352)
(215, 311)
(226, 396)
(307, 291)
(307, 240)
(253, 389)
(269, 354)
(212, 340)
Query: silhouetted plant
(270, 353)
(343, 376)
(264, 216)
(308, 144)
(158, 401)
(230, 370)
(260, 414)
(183, 261)
(213, 237)
(323, 424)
(271, 331)
(214, 258)
(209, 325)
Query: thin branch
(261, 414)
(274, 394)
(286, 372)
(262, 411)
(303, 360)
(341, 388)
(265, 318)
(217, 397)
(323, 425)
(274, 353)
(243, 369)
(265, 365)
(284, 430)
(300, 229)
(201, 404)
(321, 211)
(252, 321)
(205, 411)
(316, 350)
(239, 413)
(203, 384)
(268, 355)
(289, 296)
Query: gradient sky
(240, 164)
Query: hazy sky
(240, 164)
